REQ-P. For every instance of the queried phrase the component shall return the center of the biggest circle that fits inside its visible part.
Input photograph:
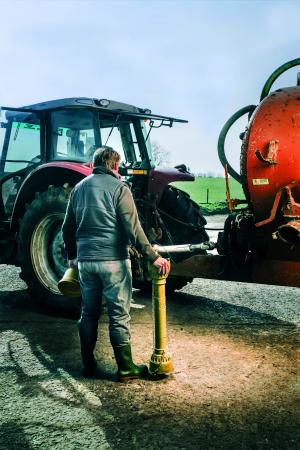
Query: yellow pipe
(160, 361)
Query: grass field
(211, 192)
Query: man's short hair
(106, 157)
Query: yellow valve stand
(160, 362)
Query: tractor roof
(85, 102)
(99, 104)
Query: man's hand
(73, 263)
(163, 265)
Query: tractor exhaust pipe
(289, 232)
(184, 248)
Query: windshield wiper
(111, 130)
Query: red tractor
(46, 148)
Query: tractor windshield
(75, 134)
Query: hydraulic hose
(249, 109)
(268, 84)
(222, 137)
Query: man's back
(100, 234)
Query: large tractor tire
(182, 217)
(184, 224)
(41, 252)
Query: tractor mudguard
(160, 177)
(53, 173)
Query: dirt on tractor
(235, 350)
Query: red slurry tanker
(46, 148)
(263, 240)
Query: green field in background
(216, 191)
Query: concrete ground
(235, 350)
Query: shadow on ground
(233, 387)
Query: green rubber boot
(127, 370)
(89, 364)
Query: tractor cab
(70, 130)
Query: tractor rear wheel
(41, 251)
(184, 224)
(182, 217)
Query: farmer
(101, 221)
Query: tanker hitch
(290, 208)
(289, 233)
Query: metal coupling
(289, 232)
(185, 248)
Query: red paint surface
(276, 118)
(83, 168)
(161, 176)
(284, 273)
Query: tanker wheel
(41, 252)
(185, 224)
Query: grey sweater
(101, 220)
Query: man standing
(101, 221)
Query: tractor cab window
(20, 152)
(119, 134)
(112, 137)
(127, 137)
(73, 135)
(19, 141)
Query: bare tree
(160, 155)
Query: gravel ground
(235, 350)
(280, 302)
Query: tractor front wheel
(41, 251)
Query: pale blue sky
(197, 60)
